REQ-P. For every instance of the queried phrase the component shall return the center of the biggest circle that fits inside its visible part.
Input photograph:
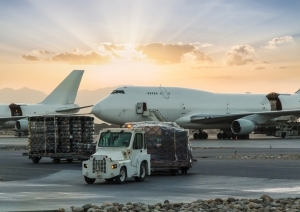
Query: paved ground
(27, 186)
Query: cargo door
(137, 149)
(141, 107)
(164, 92)
(275, 102)
(15, 110)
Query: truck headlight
(114, 166)
(85, 166)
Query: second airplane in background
(235, 114)
(60, 101)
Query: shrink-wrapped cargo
(167, 143)
(60, 134)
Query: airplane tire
(205, 135)
(219, 135)
(196, 135)
(224, 136)
(283, 135)
(89, 180)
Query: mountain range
(27, 95)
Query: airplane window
(118, 91)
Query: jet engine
(22, 125)
(242, 126)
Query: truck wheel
(173, 172)
(184, 170)
(69, 160)
(142, 176)
(56, 160)
(35, 159)
(122, 177)
(89, 180)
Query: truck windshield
(114, 139)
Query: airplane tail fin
(298, 92)
(66, 91)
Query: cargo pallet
(60, 137)
(168, 145)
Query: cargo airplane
(60, 101)
(237, 115)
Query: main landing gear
(200, 135)
(232, 136)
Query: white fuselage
(179, 104)
(30, 110)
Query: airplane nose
(96, 110)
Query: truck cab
(120, 153)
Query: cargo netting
(167, 142)
(61, 134)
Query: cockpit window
(118, 91)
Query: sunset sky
(220, 46)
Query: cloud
(157, 53)
(165, 53)
(30, 57)
(201, 57)
(204, 45)
(240, 55)
(40, 52)
(259, 68)
(275, 41)
(88, 58)
(205, 67)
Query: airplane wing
(228, 118)
(12, 118)
(71, 109)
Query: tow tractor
(120, 154)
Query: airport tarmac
(45, 186)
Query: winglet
(298, 92)
(66, 91)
